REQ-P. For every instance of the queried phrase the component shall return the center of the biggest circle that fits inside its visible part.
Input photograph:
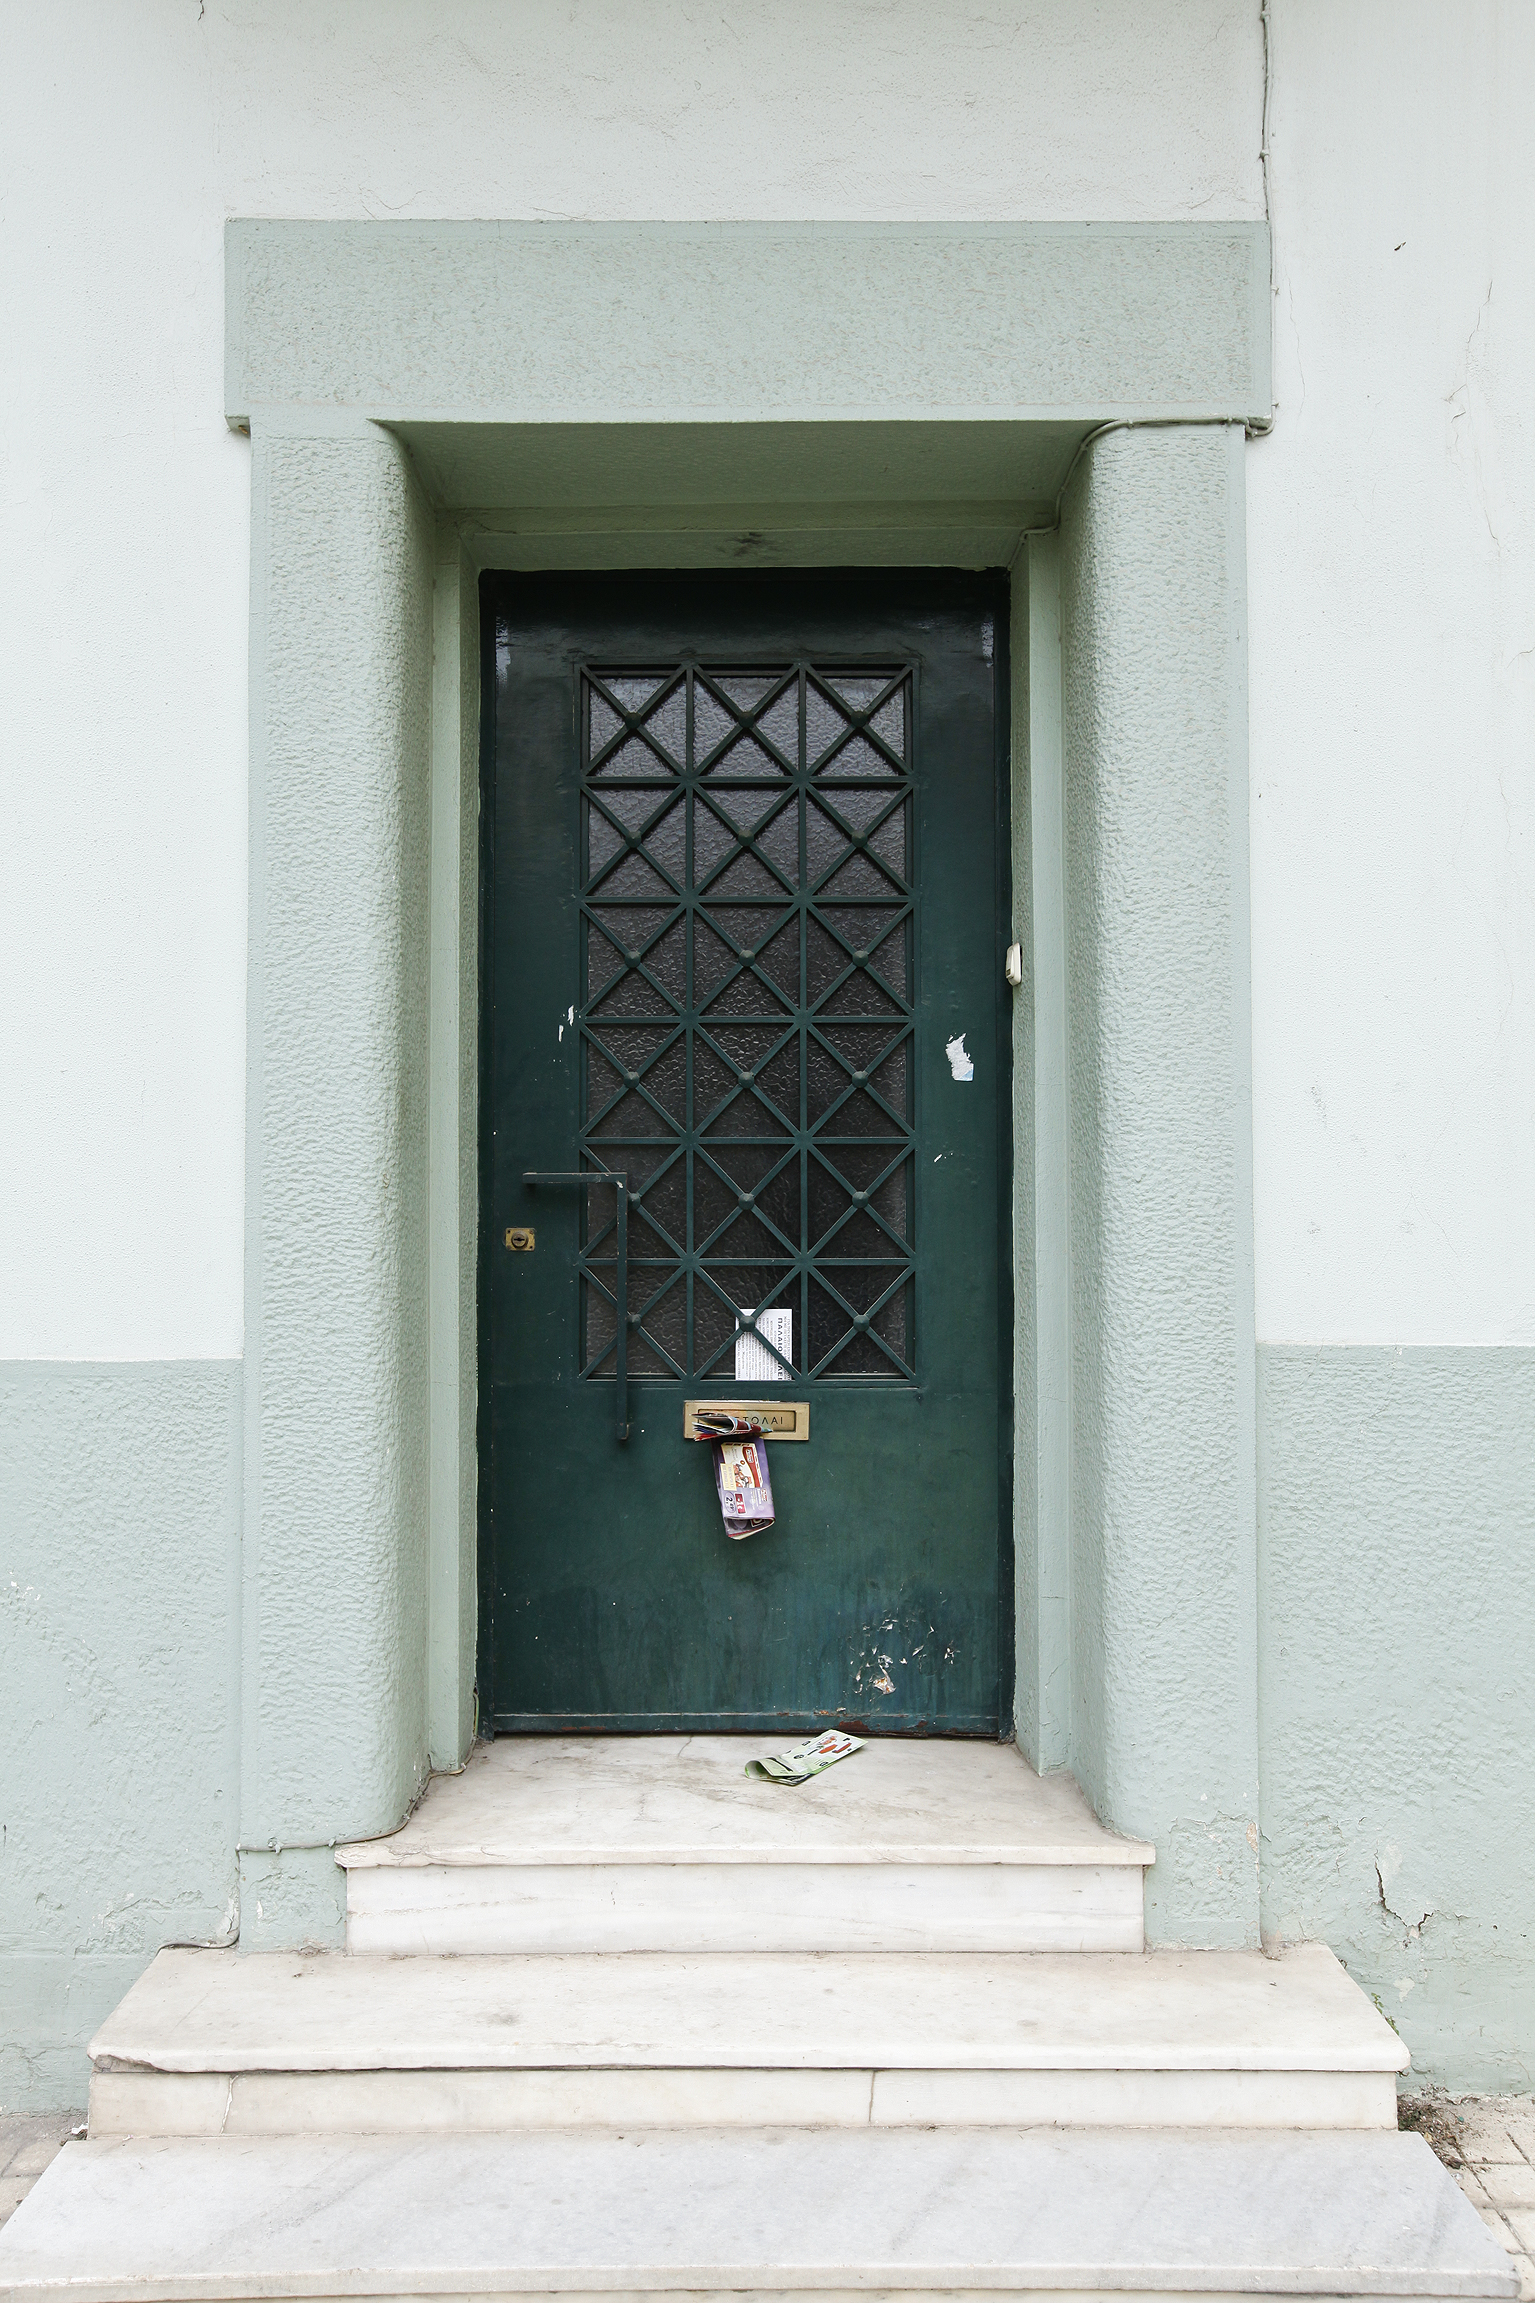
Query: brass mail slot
(784, 1418)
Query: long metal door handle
(619, 1178)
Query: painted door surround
(425, 401)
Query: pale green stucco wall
(1397, 1701)
(1159, 1226)
(119, 1665)
(335, 1583)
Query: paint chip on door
(961, 1063)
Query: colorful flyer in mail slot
(745, 1490)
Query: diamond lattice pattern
(747, 1013)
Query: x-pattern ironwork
(747, 1013)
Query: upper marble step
(686, 1799)
(907, 1845)
(748, 2214)
(280, 2042)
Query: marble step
(755, 2214)
(208, 2042)
(662, 1843)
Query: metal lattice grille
(747, 1010)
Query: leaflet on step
(802, 1760)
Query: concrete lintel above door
(600, 324)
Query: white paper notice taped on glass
(754, 1362)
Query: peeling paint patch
(961, 1063)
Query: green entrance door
(743, 891)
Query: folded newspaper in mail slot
(745, 1489)
(802, 1760)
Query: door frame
(628, 396)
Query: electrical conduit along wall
(1163, 1509)
(335, 1569)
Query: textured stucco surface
(335, 1566)
(602, 322)
(1162, 1511)
(1397, 1590)
(1041, 1149)
(453, 1160)
(119, 1527)
(290, 1899)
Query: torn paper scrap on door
(745, 1488)
(802, 1760)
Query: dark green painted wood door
(743, 904)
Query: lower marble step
(208, 2042)
(765, 2213)
(459, 2101)
(778, 1906)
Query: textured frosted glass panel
(634, 690)
(743, 809)
(859, 1115)
(604, 724)
(865, 929)
(604, 840)
(627, 1046)
(780, 724)
(632, 927)
(630, 996)
(742, 1046)
(666, 843)
(712, 842)
(713, 722)
(746, 1115)
(665, 1201)
(860, 995)
(825, 725)
(633, 758)
(631, 1117)
(663, 1331)
(665, 1082)
(826, 842)
(779, 842)
(779, 1080)
(748, 1234)
(836, 1334)
(635, 877)
(859, 876)
(859, 759)
(747, 995)
(746, 759)
(778, 960)
(749, 689)
(857, 690)
(667, 725)
(889, 722)
(744, 879)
